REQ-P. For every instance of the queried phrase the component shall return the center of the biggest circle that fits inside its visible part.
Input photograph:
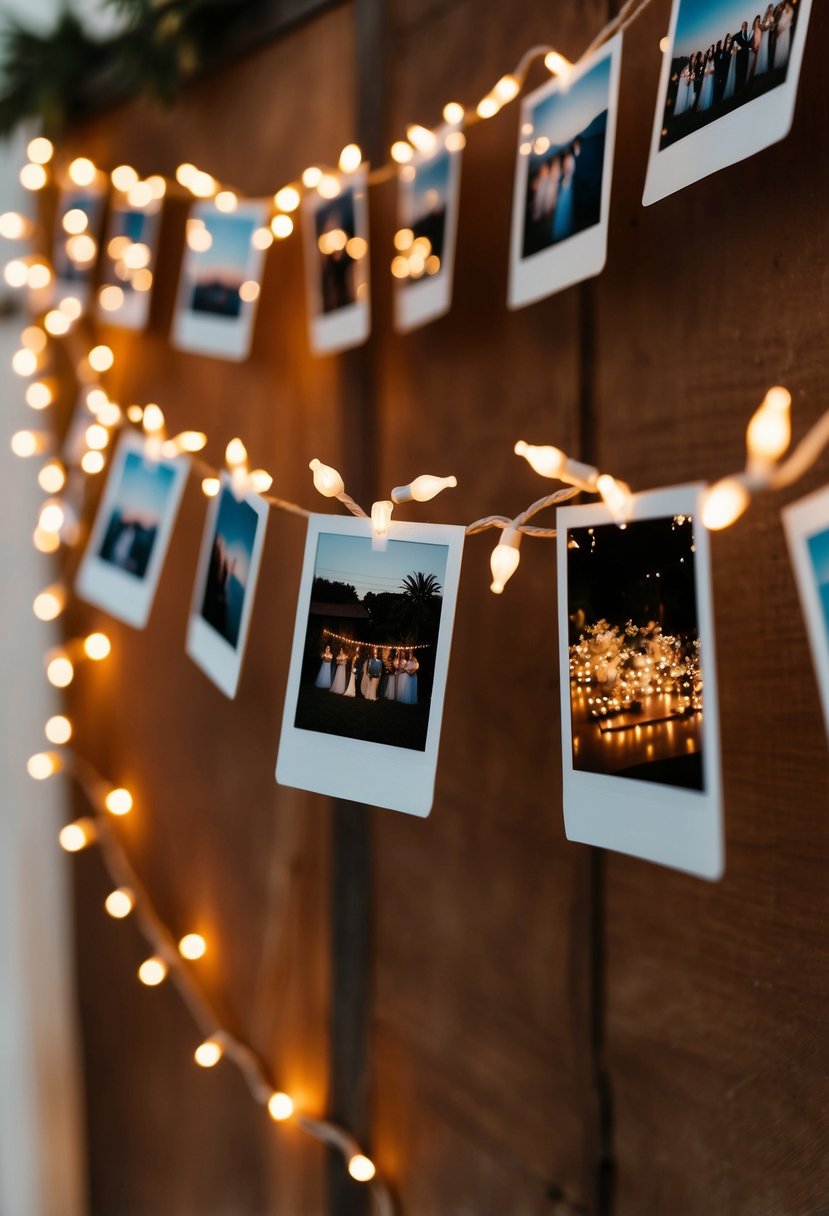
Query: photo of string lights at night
(634, 646)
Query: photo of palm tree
(374, 619)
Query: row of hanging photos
(709, 113)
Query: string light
(311, 177)
(27, 443)
(38, 276)
(724, 503)
(361, 1168)
(770, 430)
(101, 358)
(351, 158)
(120, 902)
(43, 765)
(14, 226)
(52, 516)
(24, 362)
(556, 64)
(34, 339)
(339, 637)
(92, 462)
(49, 603)
(208, 1053)
(97, 647)
(153, 971)
(77, 836)
(82, 171)
(118, 802)
(327, 480)
(123, 177)
(58, 730)
(60, 671)
(381, 517)
(192, 946)
(453, 113)
(287, 199)
(33, 177)
(39, 395)
(16, 273)
(226, 201)
(40, 150)
(282, 226)
(140, 195)
(421, 137)
(423, 488)
(280, 1106)
(504, 559)
(52, 477)
(210, 487)
(402, 152)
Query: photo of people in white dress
(140, 504)
(564, 145)
(634, 651)
(724, 56)
(373, 624)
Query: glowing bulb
(198, 237)
(56, 323)
(82, 171)
(361, 1168)
(49, 603)
(123, 177)
(26, 443)
(249, 290)
(236, 453)
(39, 395)
(504, 559)
(33, 338)
(76, 836)
(280, 1106)
(262, 238)
(192, 946)
(135, 413)
(311, 177)
(81, 249)
(13, 226)
(421, 137)
(226, 201)
(328, 187)
(488, 106)
(75, 221)
(40, 150)
(24, 362)
(152, 971)
(723, 503)
(351, 158)
(402, 152)
(184, 173)
(202, 185)
(381, 517)
(101, 358)
(210, 487)
(142, 280)
(546, 460)
(140, 195)
(287, 199)
(92, 462)
(557, 64)
(43, 765)
(157, 186)
(118, 802)
(38, 276)
(111, 298)
(45, 542)
(52, 517)
(120, 902)
(422, 488)
(52, 477)
(190, 441)
(97, 646)
(208, 1053)
(71, 307)
(327, 481)
(58, 730)
(260, 481)
(769, 431)
(16, 273)
(153, 419)
(453, 113)
(96, 437)
(506, 89)
(33, 177)
(137, 256)
(282, 226)
(60, 671)
(617, 497)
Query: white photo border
(744, 132)
(98, 582)
(583, 255)
(376, 774)
(349, 326)
(213, 654)
(675, 827)
(802, 520)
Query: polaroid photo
(126, 550)
(639, 715)
(727, 89)
(225, 587)
(807, 532)
(336, 265)
(563, 173)
(424, 265)
(365, 692)
(221, 276)
(129, 263)
(78, 223)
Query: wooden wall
(521, 1025)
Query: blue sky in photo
(433, 174)
(128, 221)
(231, 240)
(351, 559)
(143, 489)
(236, 524)
(703, 22)
(566, 112)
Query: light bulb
(192, 946)
(92, 462)
(38, 275)
(327, 481)
(280, 1106)
(76, 836)
(118, 801)
(421, 137)
(361, 1168)
(33, 338)
(557, 64)
(120, 902)
(152, 971)
(52, 517)
(210, 487)
(769, 431)
(96, 437)
(260, 481)
(329, 186)
(287, 199)
(49, 603)
(40, 150)
(74, 221)
(60, 671)
(13, 226)
(184, 173)
(97, 646)
(453, 113)
(504, 559)
(226, 201)
(157, 186)
(58, 730)
(422, 488)
(723, 503)
(111, 298)
(190, 441)
(137, 256)
(52, 477)
(282, 226)
(208, 1053)
(24, 362)
(27, 443)
(43, 765)
(488, 106)
(153, 419)
(39, 395)
(101, 358)
(351, 158)
(311, 177)
(262, 238)
(402, 151)
(140, 195)
(617, 497)
(507, 88)
(381, 517)
(33, 177)
(82, 171)
(236, 454)
(545, 460)
(123, 177)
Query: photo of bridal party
(564, 143)
(724, 56)
(373, 625)
(634, 651)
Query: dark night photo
(128, 227)
(565, 146)
(229, 566)
(137, 512)
(218, 269)
(369, 659)
(634, 646)
(68, 269)
(340, 250)
(724, 56)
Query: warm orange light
(118, 802)
(361, 1168)
(192, 946)
(208, 1053)
(43, 765)
(120, 902)
(58, 730)
(152, 971)
(76, 836)
(280, 1106)
(97, 646)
